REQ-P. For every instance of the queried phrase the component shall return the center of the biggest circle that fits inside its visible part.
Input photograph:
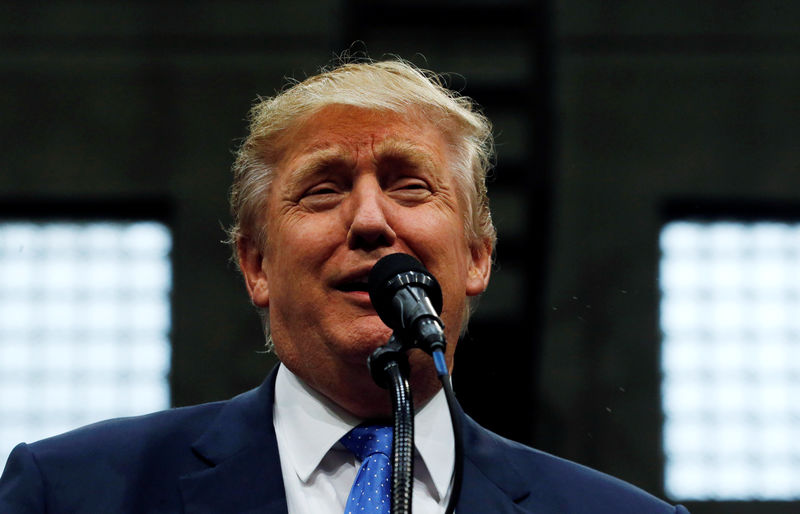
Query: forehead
(339, 132)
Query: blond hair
(395, 86)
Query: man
(359, 162)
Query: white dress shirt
(318, 471)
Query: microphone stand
(408, 299)
(389, 368)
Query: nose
(369, 227)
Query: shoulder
(130, 434)
(136, 462)
(158, 444)
(553, 482)
(159, 436)
(65, 472)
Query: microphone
(408, 299)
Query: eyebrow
(409, 152)
(388, 149)
(318, 160)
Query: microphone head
(394, 272)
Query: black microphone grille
(390, 266)
(383, 285)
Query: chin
(361, 339)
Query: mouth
(354, 287)
(356, 283)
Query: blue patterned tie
(371, 490)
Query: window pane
(730, 320)
(84, 325)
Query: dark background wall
(657, 103)
(605, 113)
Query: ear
(251, 262)
(480, 267)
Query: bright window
(84, 324)
(730, 318)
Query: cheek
(306, 235)
(451, 272)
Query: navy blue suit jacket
(223, 457)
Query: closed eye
(410, 190)
(321, 197)
(415, 185)
(322, 189)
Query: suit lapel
(240, 452)
(241, 469)
(491, 482)
(480, 494)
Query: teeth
(357, 283)
(354, 286)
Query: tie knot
(364, 441)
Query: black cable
(458, 435)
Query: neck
(354, 390)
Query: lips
(354, 281)
(350, 287)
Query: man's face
(350, 187)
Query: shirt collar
(433, 438)
(312, 425)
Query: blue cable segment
(440, 363)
